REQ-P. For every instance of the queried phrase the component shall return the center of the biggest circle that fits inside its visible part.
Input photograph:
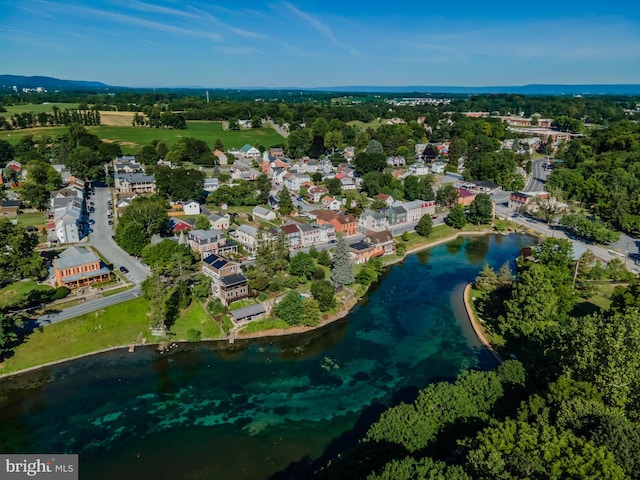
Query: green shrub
(60, 293)
(193, 335)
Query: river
(246, 411)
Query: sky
(296, 43)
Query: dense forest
(567, 407)
(602, 172)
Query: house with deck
(227, 281)
(79, 267)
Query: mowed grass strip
(37, 108)
(132, 138)
(118, 325)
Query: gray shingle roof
(74, 256)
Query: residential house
(135, 182)
(177, 226)
(211, 184)
(418, 169)
(465, 197)
(438, 167)
(247, 236)
(277, 175)
(127, 164)
(276, 152)
(417, 208)
(64, 172)
(191, 208)
(263, 213)
(314, 194)
(349, 153)
(372, 220)
(374, 244)
(343, 223)
(9, 208)
(309, 234)
(294, 181)
(292, 235)
(347, 183)
(396, 161)
(248, 151)
(208, 242)
(227, 281)
(386, 199)
(248, 313)
(330, 203)
(483, 186)
(67, 229)
(397, 214)
(219, 222)
(79, 267)
(517, 200)
(220, 155)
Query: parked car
(124, 269)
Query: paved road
(86, 307)
(101, 239)
(270, 123)
(538, 176)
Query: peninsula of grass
(132, 138)
(114, 326)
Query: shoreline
(475, 324)
(342, 313)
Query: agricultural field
(132, 138)
(364, 125)
(37, 108)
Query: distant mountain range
(50, 83)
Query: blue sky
(322, 43)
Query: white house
(247, 236)
(211, 184)
(347, 183)
(67, 229)
(294, 181)
(263, 213)
(191, 208)
(251, 152)
(419, 169)
(417, 208)
(373, 220)
(219, 222)
(438, 167)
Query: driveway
(101, 239)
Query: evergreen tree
(342, 270)
(424, 226)
(285, 204)
(481, 209)
(456, 218)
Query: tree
(148, 155)
(334, 186)
(263, 185)
(272, 254)
(411, 187)
(285, 204)
(6, 152)
(324, 258)
(374, 146)
(180, 184)
(424, 226)
(202, 222)
(302, 265)
(366, 162)
(456, 218)
(325, 293)
(145, 217)
(20, 259)
(481, 209)
(169, 258)
(201, 287)
(295, 310)
(342, 269)
(8, 336)
(333, 140)
(36, 195)
(447, 195)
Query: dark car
(124, 269)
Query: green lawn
(118, 325)
(197, 318)
(269, 323)
(131, 138)
(31, 219)
(19, 291)
(37, 108)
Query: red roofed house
(344, 223)
(465, 197)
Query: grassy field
(37, 108)
(197, 318)
(364, 125)
(120, 324)
(31, 219)
(20, 291)
(132, 138)
(269, 323)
